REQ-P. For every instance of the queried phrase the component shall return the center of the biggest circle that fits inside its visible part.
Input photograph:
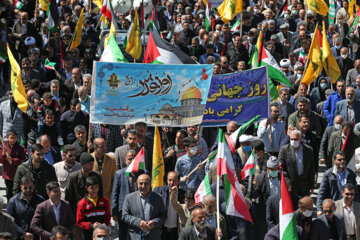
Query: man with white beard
(199, 230)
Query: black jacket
(42, 176)
(234, 56)
(30, 128)
(75, 191)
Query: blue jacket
(22, 212)
(329, 186)
(120, 190)
(330, 106)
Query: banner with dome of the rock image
(167, 95)
(237, 97)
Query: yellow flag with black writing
(315, 65)
(228, 9)
(134, 47)
(77, 32)
(158, 169)
(17, 85)
(318, 6)
(330, 64)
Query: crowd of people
(66, 177)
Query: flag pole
(241, 24)
(89, 136)
(194, 170)
(218, 202)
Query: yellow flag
(17, 85)
(134, 47)
(158, 169)
(351, 12)
(318, 6)
(330, 64)
(112, 31)
(228, 9)
(44, 4)
(315, 66)
(77, 32)
(98, 3)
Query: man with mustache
(199, 230)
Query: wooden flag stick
(194, 170)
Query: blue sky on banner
(172, 95)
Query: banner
(167, 95)
(237, 97)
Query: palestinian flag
(169, 54)
(151, 52)
(203, 189)
(235, 135)
(249, 168)
(53, 16)
(18, 4)
(3, 57)
(49, 65)
(282, 9)
(235, 201)
(137, 164)
(154, 23)
(262, 57)
(207, 17)
(287, 225)
(236, 26)
(112, 52)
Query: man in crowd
(41, 171)
(64, 168)
(22, 207)
(350, 210)
(143, 211)
(124, 184)
(334, 179)
(170, 227)
(121, 151)
(51, 213)
(297, 161)
(104, 164)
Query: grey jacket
(133, 213)
(340, 211)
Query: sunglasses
(349, 194)
(340, 159)
(328, 211)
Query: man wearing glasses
(334, 180)
(64, 168)
(350, 210)
(22, 207)
(329, 225)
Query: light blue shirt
(211, 220)
(299, 159)
(341, 176)
(56, 210)
(184, 165)
(278, 135)
(274, 186)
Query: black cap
(85, 158)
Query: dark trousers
(123, 228)
(9, 187)
(169, 234)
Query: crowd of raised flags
(159, 51)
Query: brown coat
(107, 173)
